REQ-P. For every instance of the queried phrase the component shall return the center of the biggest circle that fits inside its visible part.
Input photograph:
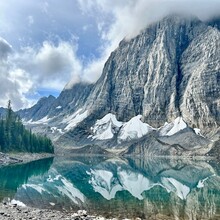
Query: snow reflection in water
(119, 187)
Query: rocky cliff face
(67, 102)
(70, 99)
(38, 111)
(200, 84)
(170, 69)
(139, 73)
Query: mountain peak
(214, 22)
(44, 98)
(170, 69)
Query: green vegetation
(14, 136)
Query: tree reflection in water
(150, 188)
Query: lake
(148, 188)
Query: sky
(49, 45)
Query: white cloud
(131, 16)
(25, 72)
(57, 60)
(117, 20)
(93, 70)
(15, 83)
(74, 79)
(49, 65)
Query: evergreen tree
(14, 136)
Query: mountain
(214, 22)
(148, 75)
(69, 100)
(169, 72)
(183, 143)
(38, 111)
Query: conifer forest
(14, 137)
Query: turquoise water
(150, 188)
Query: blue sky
(46, 45)
(31, 23)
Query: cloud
(57, 61)
(5, 49)
(48, 67)
(129, 17)
(94, 69)
(15, 83)
(117, 20)
(39, 60)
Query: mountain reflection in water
(150, 188)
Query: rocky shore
(11, 211)
(5, 159)
(16, 211)
(13, 158)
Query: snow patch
(51, 179)
(201, 183)
(107, 118)
(65, 188)
(107, 184)
(18, 203)
(165, 129)
(68, 118)
(106, 127)
(43, 120)
(74, 119)
(134, 129)
(198, 132)
(55, 129)
(104, 134)
(174, 127)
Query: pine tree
(14, 136)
